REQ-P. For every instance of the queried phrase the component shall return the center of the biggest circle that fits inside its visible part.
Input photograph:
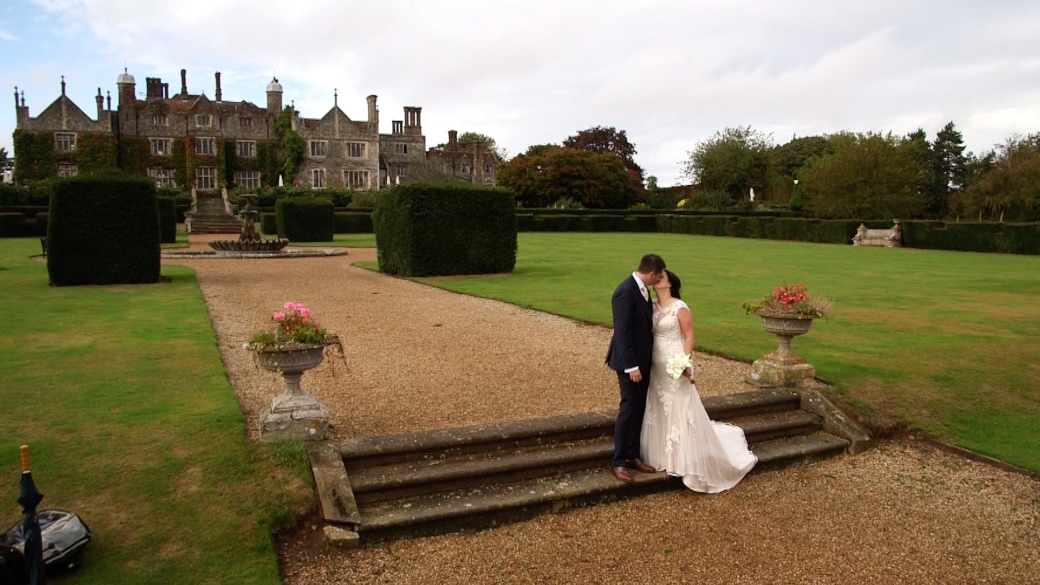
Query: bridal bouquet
(677, 365)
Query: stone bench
(886, 238)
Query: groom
(629, 356)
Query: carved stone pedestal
(770, 373)
(782, 368)
(294, 414)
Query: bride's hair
(674, 284)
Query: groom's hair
(674, 284)
(651, 263)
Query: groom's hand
(635, 376)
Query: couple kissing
(661, 423)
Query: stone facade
(470, 162)
(339, 151)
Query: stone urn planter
(294, 414)
(782, 367)
(785, 328)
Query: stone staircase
(210, 217)
(378, 488)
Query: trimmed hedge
(353, 222)
(439, 229)
(167, 220)
(103, 230)
(305, 219)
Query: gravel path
(418, 358)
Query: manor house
(189, 140)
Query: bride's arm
(686, 326)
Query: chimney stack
(218, 86)
(184, 82)
(100, 104)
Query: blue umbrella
(29, 499)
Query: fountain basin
(256, 245)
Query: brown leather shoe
(620, 474)
(638, 465)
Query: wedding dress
(677, 436)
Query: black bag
(12, 565)
(64, 535)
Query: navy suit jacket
(633, 338)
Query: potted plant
(787, 312)
(294, 345)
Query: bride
(677, 436)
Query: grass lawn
(122, 397)
(948, 342)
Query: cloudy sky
(671, 73)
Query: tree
(869, 176)
(786, 160)
(547, 173)
(4, 162)
(467, 138)
(734, 160)
(608, 140)
(1010, 191)
(948, 168)
(921, 152)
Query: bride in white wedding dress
(677, 435)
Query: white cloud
(669, 72)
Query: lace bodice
(667, 333)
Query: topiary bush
(354, 222)
(167, 219)
(305, 219)
(437, 229)
(103, 229)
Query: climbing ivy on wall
(35, 154)
(94, 152)
(268, 162)
(190, 162)
(179, 161)
(293, 146)
(221, 164)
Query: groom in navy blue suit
(629, 355)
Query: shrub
(167, 219)
(304, 219)
(103, 229)
(436, 229)
(354, 222)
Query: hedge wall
(103, 230)
(305, 219)
(437, 229)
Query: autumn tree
(734, 160)
(608, 140)
(547, 173)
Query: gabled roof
(70, 107)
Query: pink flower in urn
(294, 326)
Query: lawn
(947, 342)
(122, 397)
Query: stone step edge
(521, 461)
(561, 491)
(388, 446)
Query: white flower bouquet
(678, 364)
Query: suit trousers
(629, 422)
